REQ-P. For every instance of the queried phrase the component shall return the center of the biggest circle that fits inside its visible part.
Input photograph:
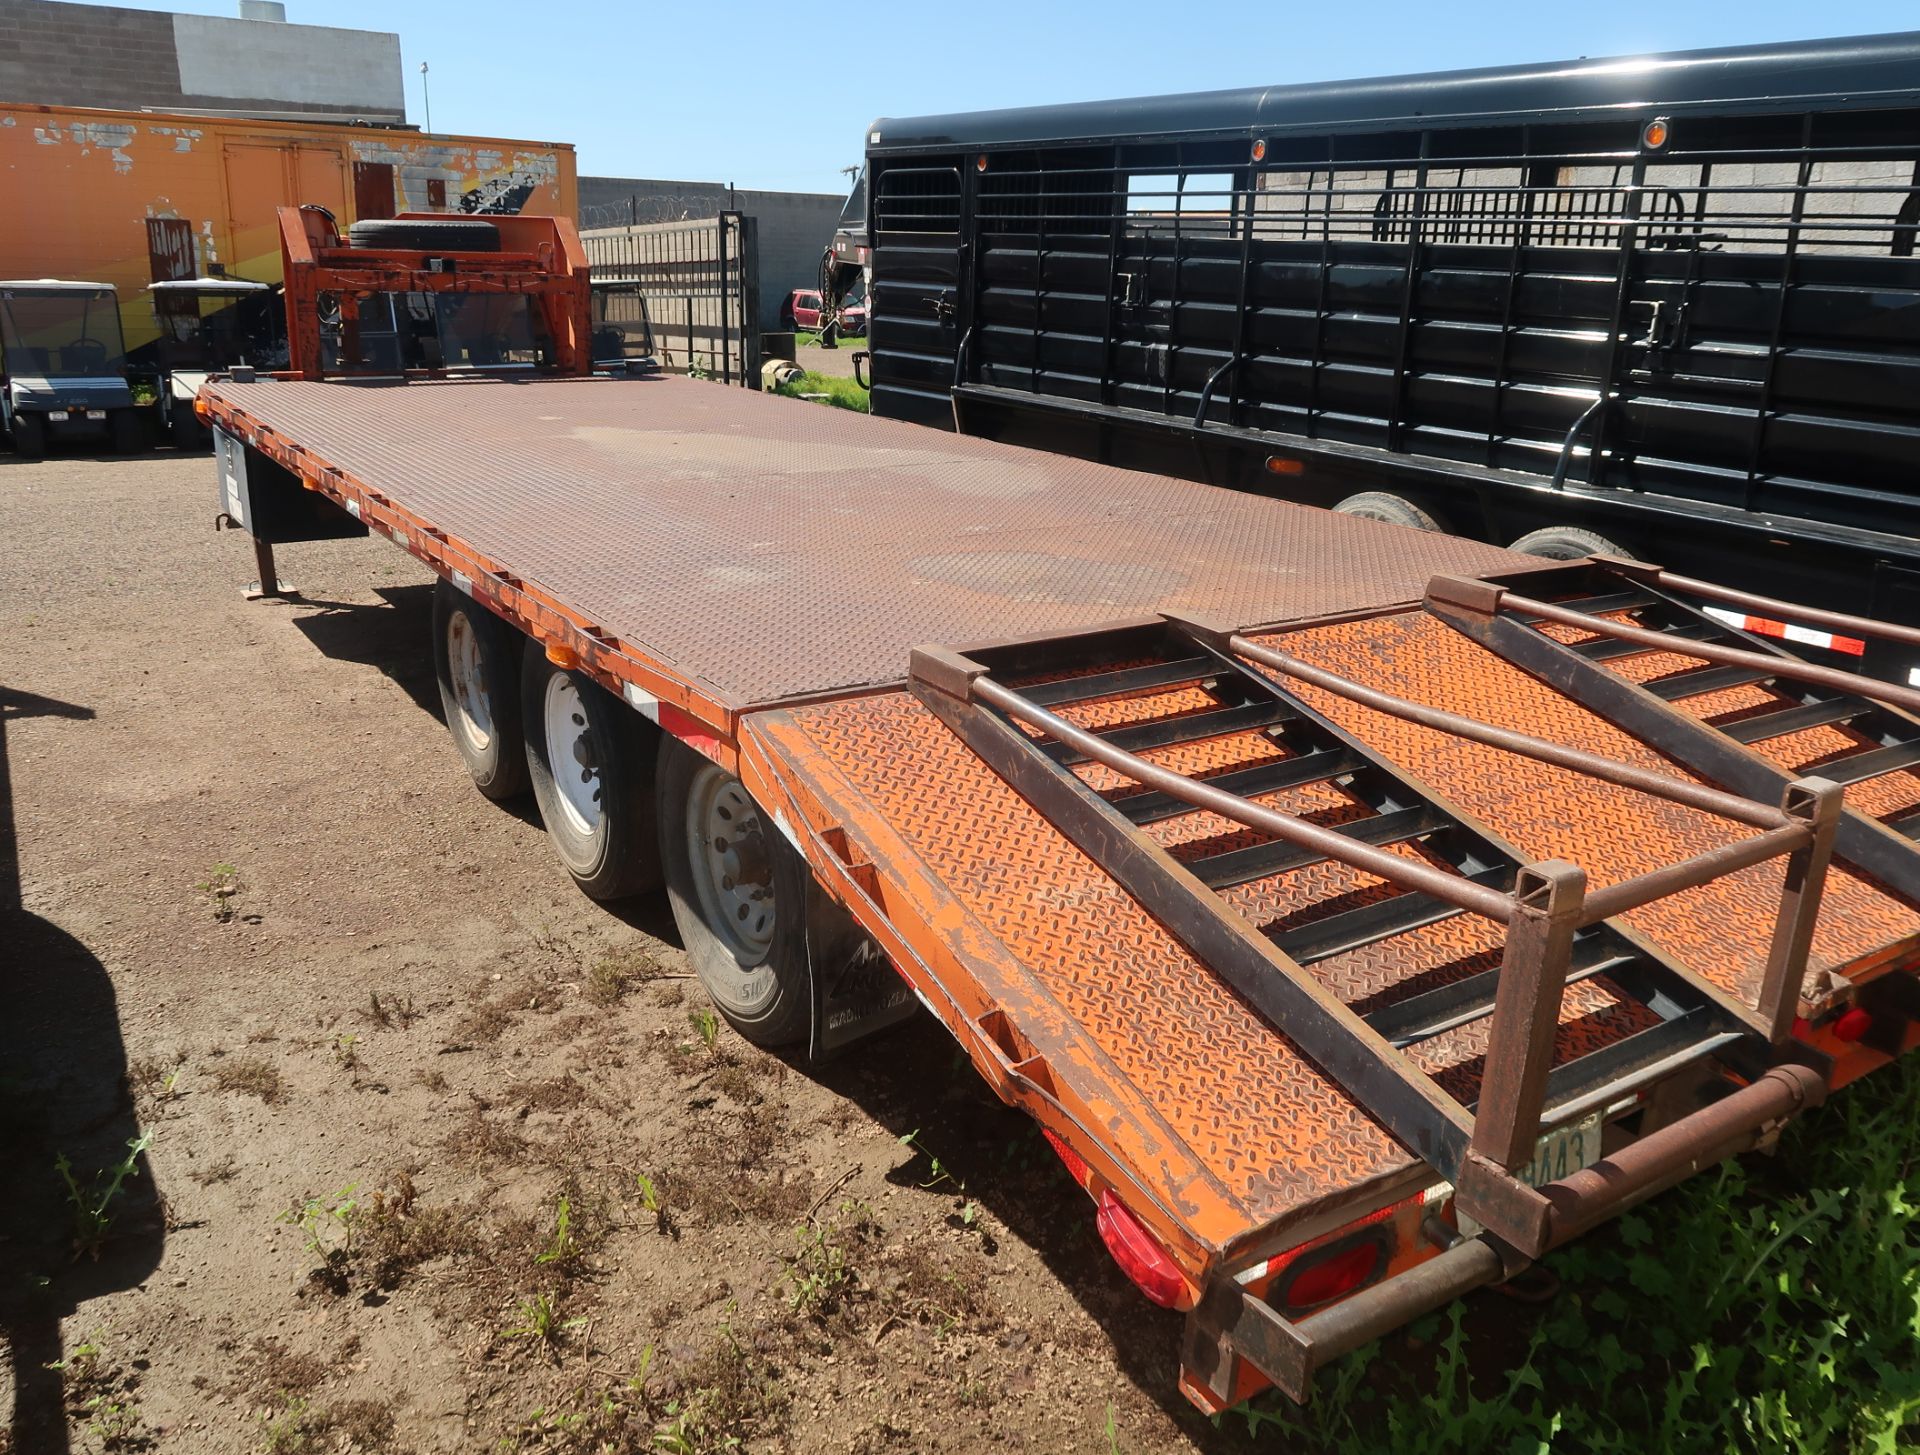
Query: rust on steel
(1642, 780)
(765, 550)
(1413, 874)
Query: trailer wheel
(29, 436)
(590, 760)
(126, 432)
(739, 895)
(1566, 543)
(188, 432)
(435, 235)
(476, 659)
(1393, 509)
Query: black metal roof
(1815, 74)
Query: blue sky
(642, 89)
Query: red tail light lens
(1852, 1025)
(1321, 1278)
(1140, 1257)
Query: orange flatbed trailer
(1232, 840)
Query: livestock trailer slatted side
(1692, 281)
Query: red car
(802, 310)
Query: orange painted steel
(539, 258)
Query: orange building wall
(78, 187)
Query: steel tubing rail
(1839, 621)
(1691, 873)
(1409, 873)
(1791, 668)
(1644, 780)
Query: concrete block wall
(57, 54)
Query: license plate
(96, 414)
(58, 416)
(1563, 1152)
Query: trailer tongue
(1361, 912)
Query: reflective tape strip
(462, 581)
(1788, 632)
(353, 509)
(399, 536)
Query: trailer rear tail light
(1655, 133)
(1140, 1255)
(1322, 1276)
(1260, 150)
(1852, 1025)
(1281, 465)
(200, 408)
(980, 162)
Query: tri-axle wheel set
(631, 809)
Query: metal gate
(700, 282)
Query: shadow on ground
(63, 1094)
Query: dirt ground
(440, 1155)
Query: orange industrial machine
(485, 293)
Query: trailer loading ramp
(757, 575)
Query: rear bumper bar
(1231, 1324)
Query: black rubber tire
(1566, 543)
(187, 432)
(620, 856)
(775, 1007)
(29, 436)
(127, 432)
(1393, 509)
(441, 235)
(495, 753)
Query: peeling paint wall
(81, 187)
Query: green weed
(827, 389)
(327, 1224)
(540, 1321)
(1769, 1304)
(92, 1205)
(221, 889)
(706, 1025)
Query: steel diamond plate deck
(768, 549)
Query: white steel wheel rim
(732, 873)
(473, 713)
(571, 760)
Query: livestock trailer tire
(188, 433)
(126, 432)
(1394, 509)
(739, 895)
(29, 436)
(476, 659)
(590, 761)
(438, 235)
(1566, 543)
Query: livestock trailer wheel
(739, 896)
(1394, 509)
(1566, 543)
(29, 436)
(127, 432)
(476, 658)
(591, 765)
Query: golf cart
(63, 360)
(208, 325)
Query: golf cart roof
(54, 285)
(235, 286)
